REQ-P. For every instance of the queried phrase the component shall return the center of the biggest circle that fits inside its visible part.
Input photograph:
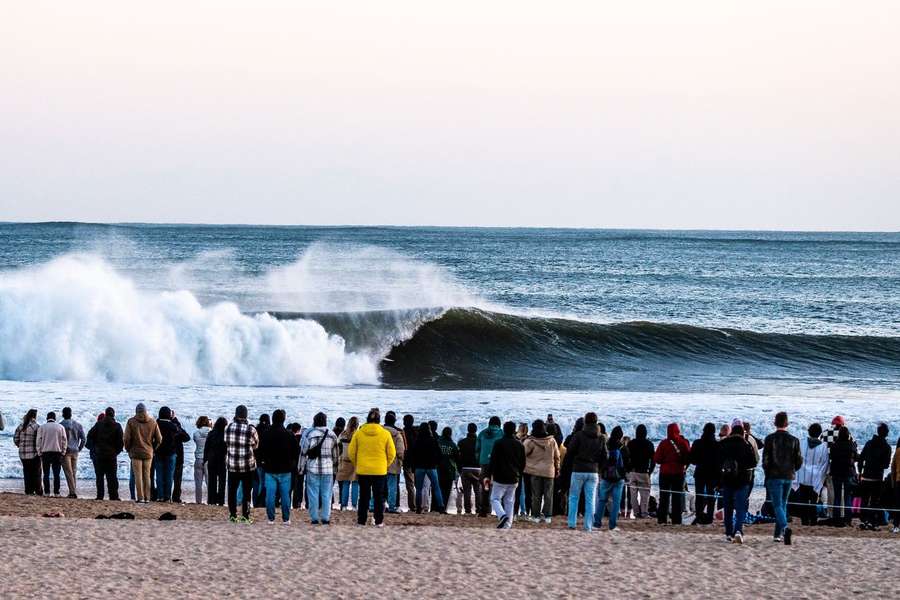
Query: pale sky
(688, 114)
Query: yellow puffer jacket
(372, 449)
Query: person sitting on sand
(142, 437)
(781, 459)
(585, 452)
(319, 460)
(52, 444)
(241, 439)
(503, 473)
(371, 451)
(542, 466)
(470, 472)
(810, 479)
(640, 451)
(108, 441)
(25, 439)
(396, 468)
(673, 456)
(738, 461)
(348, 486)
(483, 446)
(424, 457)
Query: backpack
(730, 470)
(315, 452)
(615, 466)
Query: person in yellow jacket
(371, 451)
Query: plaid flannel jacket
(26, 440)
(326, 464)
(240, 441)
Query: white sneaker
(286, 523)
(895, 530)
(614, 530)
(738, 539)
(270, 522)
(778, 540)
(547, 520)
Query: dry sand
(201, 554)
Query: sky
(697, 114)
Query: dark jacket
(736, 448)
(467, 456)
(586, 452)
(781, 455)
(425, 453)
(214, 450)
(615, 472)
(640, 451)
(507, 460)
(841, 458)
(449, 464)
(874, 459)
(106, 439)
(673, 454)
(278, 450)
(172, 435)
(706, 455)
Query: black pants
(705, 490)
(671, 490)
(297, 489)
(31, 473)
(485, 508)
(471, 486)
(216, 492)
(445, 481)
(806, 495)
(370, 487)
(106, 468)
(896, 513)
(245, 480)
(51, 460)
(869, 493)
(176, 478)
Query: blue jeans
(432, 475)
(165, 477)
(393, 482)
(587, 481)
(734, 500)
(778, 490)
(349, 493)
(318, 497)
(607, 489)
(278, 483)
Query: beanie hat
(838, 421)
(737, 423)
(140, 408)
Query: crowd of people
(507, 469)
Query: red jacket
(673, 453)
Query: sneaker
(286, 523)
(778, 539)
(326, 522)
(272, 522)
(895, 530)
(728, 539)
(613, 529)
(504, 520)
(738, 538)
(314, 523)
(379, 525)
(547, 520)
(247, 520)
(232, 519)
(71, 496)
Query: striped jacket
(240, 441)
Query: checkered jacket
(25, 439)
(240, 441)
(830, 436)
(327, 462)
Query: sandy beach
(200, 554)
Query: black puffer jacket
(640, 450)
(467, 456)
(507, 460)
(107, 439)
(425, 453)
(587, 450)
(874, 459)
(706, 455)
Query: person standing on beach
(612, 479)
(504, 471)
(738, 462)
(396, 467)
(371, 451)
(673, 455)
(279, 456)
(107, 441)
(448, 467)
(841, 470)
(201, 472)
(873, 460)
(141, 439)
(51, 446)
(781, 460)
(706, 456)
(166, 454)
(319, 460)
(542, 465)
(424, 457)
(182, 438)
(241, 440)
(830, 436)
(640, 451)
(75, 442)
(348, 486)
(483, 446)
(895, 482)
(470, 472)
(811, 476)
(585, 453)
(409, 473)
(25, 439)
(214, 458)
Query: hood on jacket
(141, 417)
(673, 431)
(641, 432)
(369, 429)
(591, 431)
(493, 432)
(813, 442)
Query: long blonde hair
(352, 426)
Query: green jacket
(485, 444)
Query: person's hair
(640, 432)
(320, 420)
(278, 416)
(738, 431)
(579, 425)
(747, 426)
(374, 416)
(601, 427)
(424, 431)
(202, 421)
(509, 428)
(352, 425)
(447, 433)
(883, 430)
(67, 413)
(51, 416)
(110, 412)
(101, 416)
(472, 428)
(295, 427)
(495, 420)
(221, 424)
(709, 430)
(616, 434)
(522, 428)
(390, 418)
(264, 419)
(724, 430)
(781, 419)
(538, 429)
(590, 418)
(843, 434)
(240, 412)
(165, 412)
(30, 416)
(339, 424)
(434, 426)
(815, 430)
(408, 420)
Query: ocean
(454, 324)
